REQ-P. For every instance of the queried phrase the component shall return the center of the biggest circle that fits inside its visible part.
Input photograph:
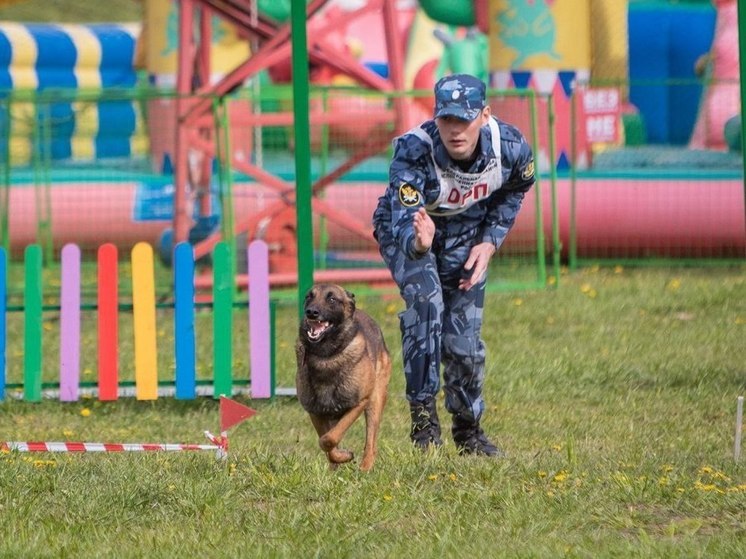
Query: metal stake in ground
(739, 426)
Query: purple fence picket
(70, 324)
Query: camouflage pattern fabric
(441, 323)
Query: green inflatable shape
(452, 12)
(732, 133)
(278, 10)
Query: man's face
(459, 136)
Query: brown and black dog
(343, 370)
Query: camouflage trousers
(441, 324)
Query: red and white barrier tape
(219, 445)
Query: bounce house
(35, 58)
(585, 53)
(721, 103)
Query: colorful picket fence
(146, 378)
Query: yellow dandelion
(231, 468)
(663, 481)
(674, 284)
(541, 473)
(667, 468)
(517, 301)
(432, 477)
(585, 288)
(391, 308)
(706, 470)
(560, 476)
(453, 477)
(172, 487)
(705, 486)
(47, 326)
(551, 280)
(67, 433)
(679, 490)
(87, 372)
(550, 493)
(85, 412)
(556, 447)
(387, 498)
(618, 269)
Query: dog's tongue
(316, 328)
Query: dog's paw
(340, 456)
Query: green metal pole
(556, 246)
(572, 249)
(540, 248)
(303, 195)
(742, 64)
(4, 211)
(225, 166)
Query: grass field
(614, 396)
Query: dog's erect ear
(351, 297)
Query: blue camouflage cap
(459, 95)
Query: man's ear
(486, 114)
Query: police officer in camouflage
(456, 184)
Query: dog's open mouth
(316, 329)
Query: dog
(343, 370)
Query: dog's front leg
(334, 436)
(335, 455)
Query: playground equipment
(248, 43)
(147, 382)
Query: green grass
(614, 396)
(73, 11)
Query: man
(456, 184)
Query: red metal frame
(195, 93)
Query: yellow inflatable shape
(161, 41)
(423, 47)
(22, 67)
(539, 35)
(609, 40)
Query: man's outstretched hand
(479, 259)
(424, 231)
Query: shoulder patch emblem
(408, 195)
(528, 171)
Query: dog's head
(326, 308)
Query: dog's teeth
(316, 328)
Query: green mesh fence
(95, 167)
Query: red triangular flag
(233, 413)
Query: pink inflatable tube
(626, 218)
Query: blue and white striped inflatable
(40, 57)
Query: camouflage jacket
(477, 205)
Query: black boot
(425, 424)
(470, 439)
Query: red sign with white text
(602, 114)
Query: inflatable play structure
(720, 107)
(550, 46)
